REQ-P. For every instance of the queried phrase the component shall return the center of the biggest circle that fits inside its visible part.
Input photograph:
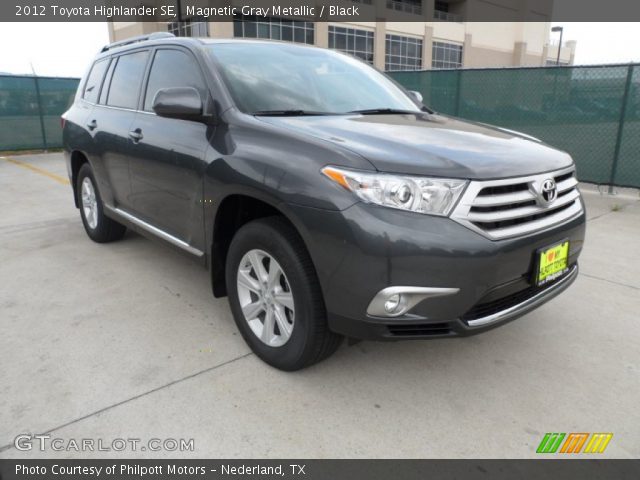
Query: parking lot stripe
(52, 176)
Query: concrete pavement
(125, 340)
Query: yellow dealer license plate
(553, 263)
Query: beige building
(446, 42)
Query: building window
(442, 13)
(403, 53)
(446, 55)
(272, 28)
(191, 27)
(555, 63)
(358, 43)
(442, 6)
(408, 6)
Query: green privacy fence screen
(592, 112)
(30, 109)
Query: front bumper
(361, 250)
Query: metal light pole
(555, 77)
(40, 109)
(561, 30)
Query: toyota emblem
(549, 191)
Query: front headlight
(433, 196)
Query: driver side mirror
(416, 95)
(178, 102)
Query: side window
(126, 80)
(107, 81)
(173, 68)
(92, 85)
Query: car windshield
(289, 79)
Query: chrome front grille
(515, 207)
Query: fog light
(396, 301)
(392, 303)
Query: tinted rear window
(126, 80)
(105, 85)
(92, 86)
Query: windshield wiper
(376, 111)
(289, 113)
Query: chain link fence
(592, 112)
(30, 109)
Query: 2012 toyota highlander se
(325, 200)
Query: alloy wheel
(266, 298)
(89, 203)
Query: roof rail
(139, 38)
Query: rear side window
(126, 80)
(173, 68)
(105, 86)
(92, 85)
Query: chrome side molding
(529, 304)
(156, 231)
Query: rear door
(78, 133)
(111, 122)
(167, 163)
(89, 95)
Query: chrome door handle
(136, 135)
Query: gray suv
(325, 200)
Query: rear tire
(98, 226)
(298, 336)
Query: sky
(54, 49)
(65, 49)
(603, 42)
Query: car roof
(165, 38)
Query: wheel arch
(78, 159)
(234, 211)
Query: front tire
(98, 226)
(275, 296)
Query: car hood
(431, 144)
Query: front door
(167, 161)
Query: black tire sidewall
(260, 235)
(99, 232)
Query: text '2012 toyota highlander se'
(325, 200)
